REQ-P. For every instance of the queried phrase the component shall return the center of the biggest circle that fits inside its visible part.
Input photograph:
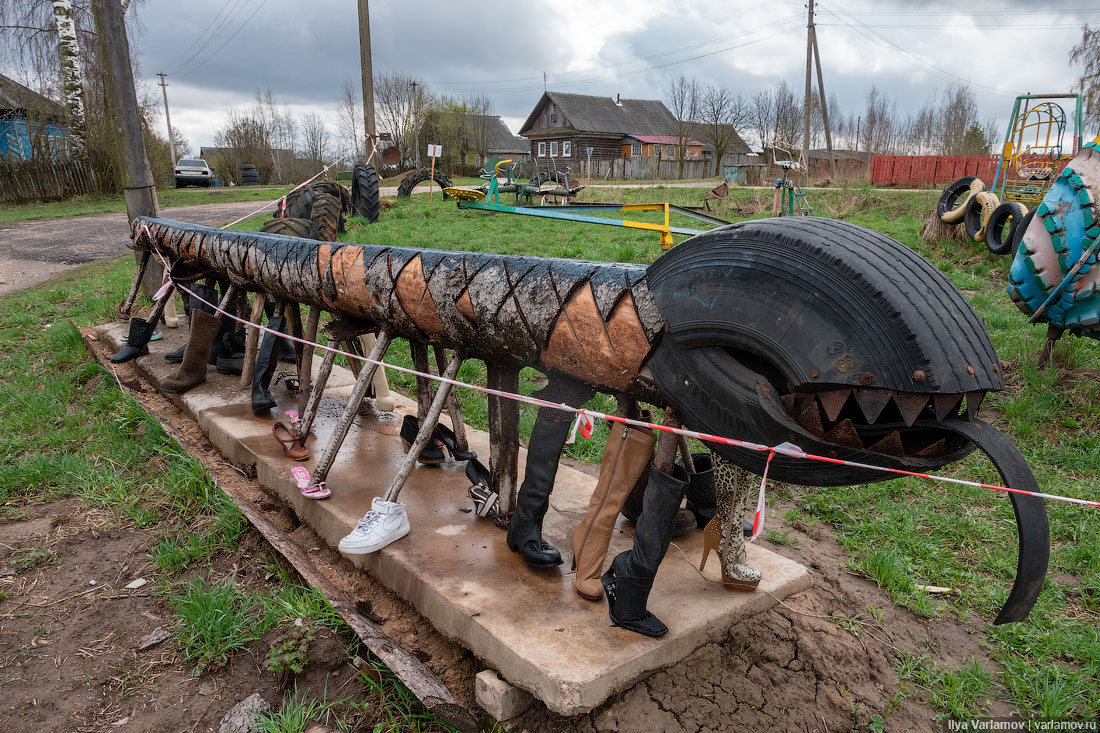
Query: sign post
(434, 151)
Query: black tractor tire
(327, 217)
(412, 178)
(1019, 230)
(291, 227)
(334, 189)
(952, 194)
(364, 192)
(299, 204)
(1000, 230)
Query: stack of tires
(985, 218)
(250, 176)
(320, 210)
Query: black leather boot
(701, 499)
(231, 354)
(137, 341)
(266, 361)
(630, 578)
(543, 453)
(287, 354)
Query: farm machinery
(1034, 149)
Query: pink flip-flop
(301, 475)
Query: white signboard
(435, 151)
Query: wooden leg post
(665, 457)
(455, 411)
(427, 428)
(383, 400)
(160, 305)
(252, 341)
(305, 368)
(315, 394)
(504, 436)
(423, 384)
(324, 465)
(125, 306)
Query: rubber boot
(701, 500)
(266, 362)
(175, 357)
(192, 371)
(629, 580)
(543, 453)
(137, 342)
(626, 455)
(287, 354)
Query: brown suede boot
(626, 455)
(192, 371)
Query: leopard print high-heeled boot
(725, 533)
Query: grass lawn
(82, 205)
(71, 432)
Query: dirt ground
(820, 661)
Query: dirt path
(32, 252)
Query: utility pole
(140, 191)
(171, 140)
(806, 100)
(368, 74)
(824, 107)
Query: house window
(542, 150)
(566, 149)
(636, 149)
(670, 151)
(554, 149)
(555, 118)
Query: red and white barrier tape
(584, 417)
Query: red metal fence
(935, 170)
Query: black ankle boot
(628, 581)
(701, 500)
(137, 341)
(266, 361)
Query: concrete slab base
(456, 569)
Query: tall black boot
(701, 499)
(543, 453)
(266, 361)
(287, 354)
(630, 578)
(137, 342)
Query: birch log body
(593, 321)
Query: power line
(199, 36)
(663, 54)
(199, 57)
(227, 40)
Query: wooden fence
(23, 181)
(936, 170)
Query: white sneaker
(386, 522)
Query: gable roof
(15, 96)
(585, 113)
(501, 139)
(659, 139)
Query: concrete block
(498, 697)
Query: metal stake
(427, 428)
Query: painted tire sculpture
(1053, 278)
(977, 214)
(807, 330)
(952, 204)
(1000, 229)
(415, 177)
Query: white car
(192, 171)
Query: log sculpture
(804, 330)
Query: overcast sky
(219, 52)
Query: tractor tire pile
(320, 210)
(1053, 278)
(984, 217)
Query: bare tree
(1087, 54)
(480, 123)
(682, 96)
(400, 103)
(349, 120)
(721, 114)
(315, 139)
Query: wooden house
(31, 126)
(565, 126)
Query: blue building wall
(15, 137)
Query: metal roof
(15, 96)
(585, 113)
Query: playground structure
(789, 198)
(475, 198)
(1054, 278)
(1033, 148)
